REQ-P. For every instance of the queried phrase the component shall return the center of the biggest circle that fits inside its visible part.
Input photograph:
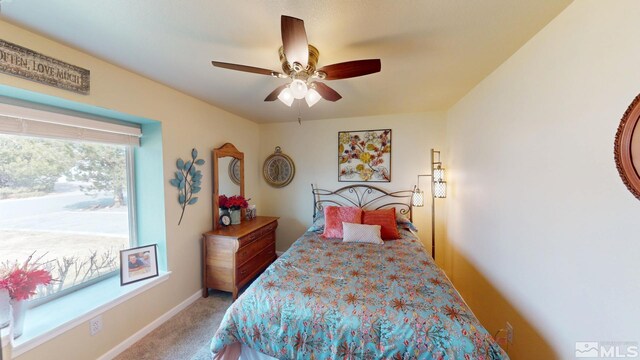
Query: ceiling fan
(299, 60)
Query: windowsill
(51, 319)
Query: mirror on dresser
(229, 173)
(228, 176)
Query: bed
(325, 299)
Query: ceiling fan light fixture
(299, 60)
(298, 89)
(286, 96)
(312, 97)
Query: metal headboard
(363, 196)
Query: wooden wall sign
(21, 62)
(627, 148)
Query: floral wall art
(364, 155)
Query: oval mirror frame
(627, 148)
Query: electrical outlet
(509, 330)
(95, 325)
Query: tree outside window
(67, 202)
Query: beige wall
(313, 146)
(186, 122)
(543, 231)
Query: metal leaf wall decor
(188, 180)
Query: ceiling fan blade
(274, 94)
(351, 69)
(244, 68)
(326, 92)
(294, 40)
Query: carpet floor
(186, 336)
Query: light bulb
(286, 97)
(298, 88)
(312, 97)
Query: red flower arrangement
(23, 280)
(235, 202)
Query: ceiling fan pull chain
(299, 116)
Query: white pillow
(361, 233)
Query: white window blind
(19, 120)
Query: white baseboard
(149, 328)
(279, 253)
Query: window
(66, 195)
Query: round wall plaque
(234, 171)
(278, 169)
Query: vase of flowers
(234, 204)
(21, 282)
(19, 312)
(236, 216)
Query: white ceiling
(432, 51)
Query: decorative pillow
(403, 222)
(361, 233)
(334, 216)
(386, 218)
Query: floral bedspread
(324, 299)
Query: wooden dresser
(234, 255)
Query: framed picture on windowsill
(138, 264)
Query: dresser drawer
(248, 251)
(269, 228)
(257, 263)
(247, 239)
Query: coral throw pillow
(386, 218)
(334, 216)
